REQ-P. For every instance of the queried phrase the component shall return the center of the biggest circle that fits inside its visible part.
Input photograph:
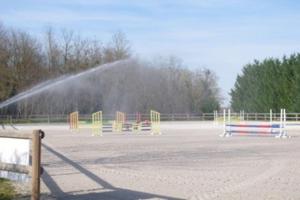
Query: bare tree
(67, 46)
(53, 53)
(164, 84)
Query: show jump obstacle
(120, 121)
(255, 129)
(74, 120)
(155, 122)
(120, 124)
(97, 123)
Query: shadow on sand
(110, 192)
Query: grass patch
(7, 190)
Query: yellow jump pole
(120, 121)
(155, 122)
(74, 118)
(117, 124)
(71, 121)
(136, 124)
(97, 123)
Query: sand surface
(188, 161)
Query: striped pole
(284, 118)
(271, 116)
(224, 120)
(229, 119)
(214, 116)
(284, 123)
(281, 117)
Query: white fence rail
(7, 119)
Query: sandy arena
(188, 161)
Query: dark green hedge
(269, 84)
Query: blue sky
(222, 35)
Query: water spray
(58, 81)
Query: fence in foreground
(34, 168)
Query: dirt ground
(188, 161)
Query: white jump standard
(255, 129)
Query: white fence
(4, 119)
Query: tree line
(135, 85)
(269, 84)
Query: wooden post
(36, 165)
